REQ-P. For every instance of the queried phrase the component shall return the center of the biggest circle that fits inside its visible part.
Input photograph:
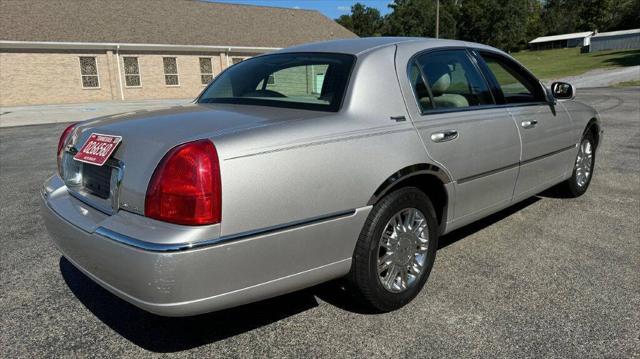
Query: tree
(507, 24)
(535, 27)
(363, 20)
(566, 16)
(625, 14)
(500, 23)
(418, 18)
(595, 14)
(559, 18)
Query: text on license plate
(97, 149)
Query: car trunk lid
(148, 135)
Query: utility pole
(437, 19)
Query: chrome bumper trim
(174, 247)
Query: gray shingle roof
(175, 22)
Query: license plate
(97, 149)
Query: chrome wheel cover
(584, 163)
(402, 250)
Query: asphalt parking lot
(549, 277)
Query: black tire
(571, 188)
(364, 269)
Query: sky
(331, 8)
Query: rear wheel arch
(428, 178)
(594, 128)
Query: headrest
(438, 77)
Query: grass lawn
(552, 64)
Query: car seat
(439, 78)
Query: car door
(545, 130)
(463, 131)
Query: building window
(206, 70)
(170, 71)
(131, 72)
(89, 72)
(236, 60)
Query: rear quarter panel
(297, 182)
(295, 171)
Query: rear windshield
(294, 80)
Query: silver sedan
(346, 158)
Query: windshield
(294, 80)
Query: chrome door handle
(444, 136)
(529, 124)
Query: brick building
(85, 51)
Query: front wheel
(579, 181)
(396, 250)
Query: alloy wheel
(402, 250)
(584, 163)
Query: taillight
(185, 187)
(64, 137)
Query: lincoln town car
(341, 159)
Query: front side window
(89, 72)
(452, 79)
(515, 85)
(206, 70)
(295, 80)
(170, 71)
(131, 72)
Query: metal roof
(617, 33)
(575, 35)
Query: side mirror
(563, 91)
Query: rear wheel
(579, 181)
(396, 250)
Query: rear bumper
(202, 279)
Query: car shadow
(166, 335)
(458, 234)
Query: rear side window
(452, 80)
(419, 87)
(516, 86)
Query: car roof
(358, 46)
